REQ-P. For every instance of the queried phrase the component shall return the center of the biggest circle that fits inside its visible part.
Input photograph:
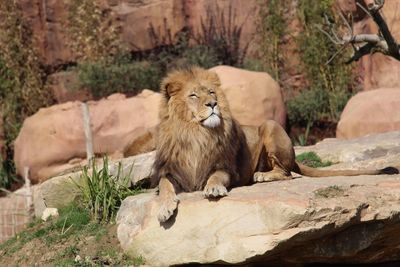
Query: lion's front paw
(167, 209)
(215, 191)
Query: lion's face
(194, 97)
(201, 100)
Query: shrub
(272, 28)
(92, 35)
(103, 78)
(102, 191)
(332, 81)
(22, 90)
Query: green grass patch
(103, 192)
(311, 159)
(330, 192)
(73, 220)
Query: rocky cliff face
(136, 19)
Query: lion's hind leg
(277, 155)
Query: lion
(200, 146)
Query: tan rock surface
(253, 96)
(370, 112)
(304, 220)
(373, 151)
(300, 221)
(52, 140)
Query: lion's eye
(193, 96)
(212, 93)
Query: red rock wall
(135, 17)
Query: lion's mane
(188, 153)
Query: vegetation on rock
(311, 159)
(103, 192)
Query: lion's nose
(211, 104)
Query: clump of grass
(311, 159)
(330, 192)
(103, 191)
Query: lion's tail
(313, 172)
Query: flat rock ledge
(305, 220)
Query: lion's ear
(170, 88)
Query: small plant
(221, 32)
(311, 159)
(103, 192)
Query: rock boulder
(285, 223)
(331, 220)
(370, 112)
(52, 140)
(253, 96)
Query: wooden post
(88, 132)
(29, 193)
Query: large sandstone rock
(331, 220)
(371, 151)
(370, 112)
(253, 96)
(305, 220)
(52, 140)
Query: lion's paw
(270, 176)
(215, 191)
(167, 209)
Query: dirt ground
(70, 240)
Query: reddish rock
(374, 111)
(237, 12)
(155, 22)
(253, 96)
(52, 140)
(46, 21)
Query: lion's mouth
(212, 121)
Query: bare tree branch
(364, 44)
